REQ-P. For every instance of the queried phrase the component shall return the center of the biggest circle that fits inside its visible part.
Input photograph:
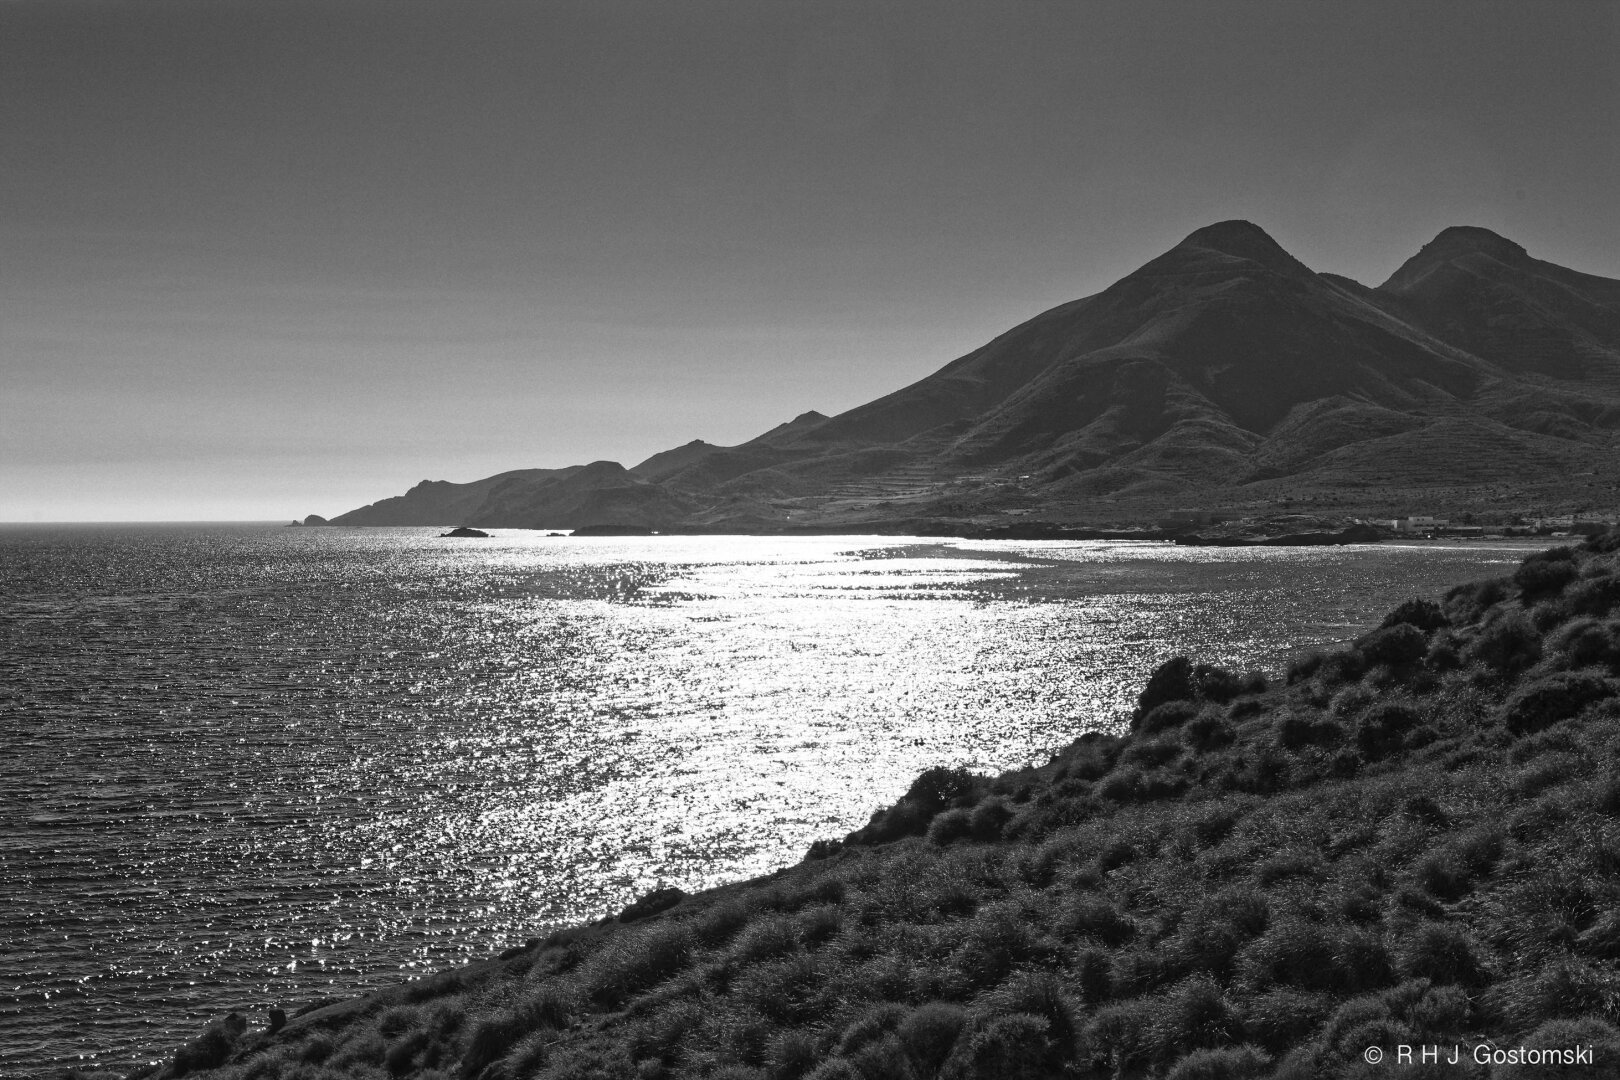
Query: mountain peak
(1471, 239)
(1453, 243)
(1245, 240)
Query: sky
(265, 259)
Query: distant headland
(1223, 379)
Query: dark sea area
(245, 766)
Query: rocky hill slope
(1223, 374)
(1411, 840)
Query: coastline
(1372, 827)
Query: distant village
(1558, 525)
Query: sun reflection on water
(261, 764)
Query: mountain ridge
(1223, 374)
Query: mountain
(1223, 375)
(602, 492)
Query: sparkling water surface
(247, 766)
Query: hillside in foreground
(1222, 375)
(1413, 839)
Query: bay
(247, 766)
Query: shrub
(1383, 730)
(1225, 1063)
(1546, 572)
(1451, 870)
(1583, 642)
(1546, 701)
(1017, 1046)
(1166, 716)
(1304, 667)
(1342, 666)
(1150, 752)
(1216, 684)
(791, 1054)
(870, 1026)
(1093, 755)
(499, 1032)
(211, 1048)
(1207, 732)
(988, 819)
(765, 939)
(1466, 603)
(1296, 729)
(720, 923)
(624, 968)
(995, 942)
(1191, 1016)
(1311, 956)
(1506, 645)
(949, 827)
(1399, 644)
(930, 1032)
(1283, 1018)
(1423, 614)
(1094, 917)
(939, 787)
(1119, 1033)
(1594, 596)
(1041, 994)
(1170, 681)
(1442, 954)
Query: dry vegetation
(1414, 839)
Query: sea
(248, 766)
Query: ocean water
(250, 766)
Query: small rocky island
(465, 531)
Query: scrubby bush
(1584, 641)
(1170, 681)
(1315, 956)
(1296, 729)
(939, 787)
(1452, 869)
(1442, 954)
(1169, 715)
(1206, 732)
(1546, 572)
(1425, 615)
(949, 827)
(1546, 701)
(1402, 643)
(1384, 729)
(1225, 1063)
(1506, 645)
(1594, 596)
(1094, 917)
(930, 1032)
(210, 1049)
(1466, 603)
(1012, 1047)
(1216, 684)
(988, 819)
(1192, 1015)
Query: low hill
(1222, 375)
(603, 492)
(1412, 840)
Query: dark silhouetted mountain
(1222, 374)
(601, 492)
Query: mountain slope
(1221, 373)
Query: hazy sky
(264, 259)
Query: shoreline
(1089, 910)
